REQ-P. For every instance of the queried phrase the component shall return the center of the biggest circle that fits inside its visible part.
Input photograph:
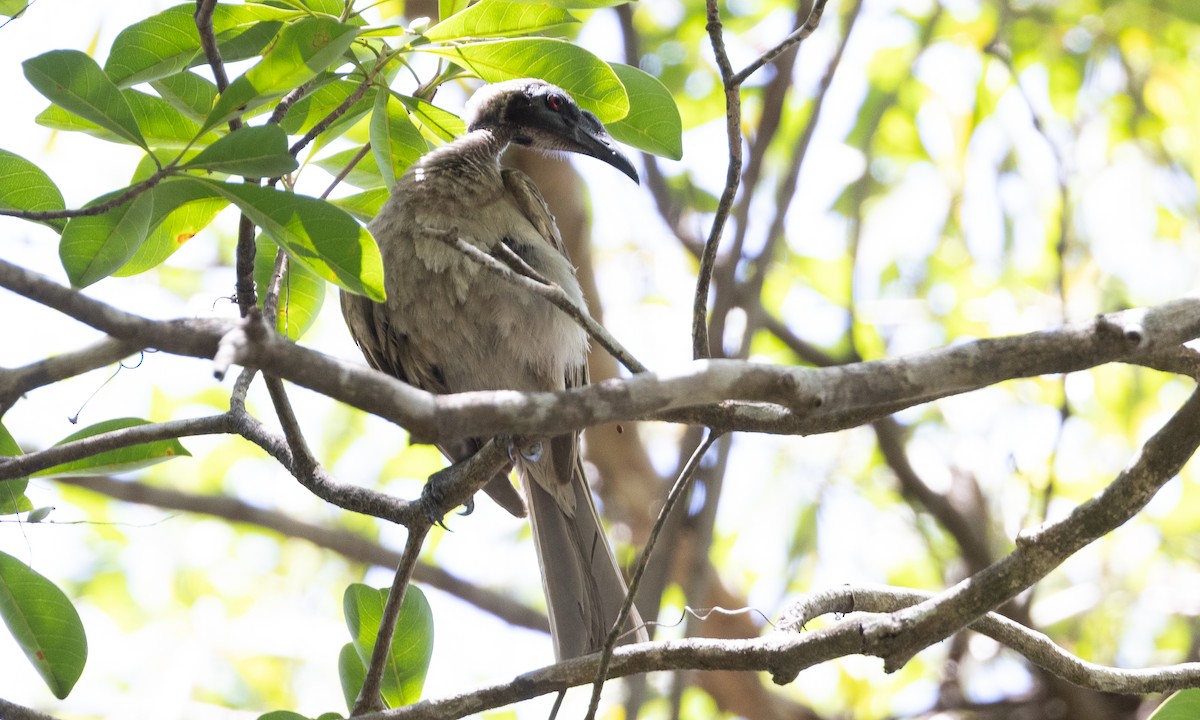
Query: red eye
(555, 102)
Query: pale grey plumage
(448, 325)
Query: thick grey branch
(727, 394)
(1035, 646)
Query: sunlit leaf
(73, 81)
(365, 174)
(188, 93)
(25, 186)
(314, 233)
(260, 151)
(300, 51)
(12, 8)
(166, 43)
(412, 643)
(93, 247)
(653, 123)
(124, 459)
(441, 123)
(586, 77)
(364, 205)
(163, 126)
(44, 623)
(395, 141)
(301, 292)
(181, 210)
(499, 18)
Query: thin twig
(99, 208)
(517, 271)
(795, 37)
(204, 26)
(369, 699)
(682, 483)
(16, 382)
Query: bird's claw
(527, 450)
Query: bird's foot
(433, 498)
(523, 449)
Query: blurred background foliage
(917, 174)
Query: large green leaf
(93, 247)
(260, 151)
(412, 643)
(163, 125)
(44, 623)
(301, 292)
(166, 43)
(12, 8)
(440, 123)
(318, 104)
(365, 174)
(124, 459)
(395, 141)
(352, 672)
(300, 51)
(1182, 705)
(314, 233)
(653, 123)
(73, 81)
(188, 93)
(586, 77)
(498, 18)
(364, 205)
(24, 186)
(12, 492)
(180, 211)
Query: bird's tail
(583, 585)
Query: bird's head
(539, 115)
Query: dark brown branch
(208, 41)
(12, 711)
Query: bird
(448, 325)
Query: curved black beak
(595, 141)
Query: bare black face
(540, 115)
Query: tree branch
(16, 382)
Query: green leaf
(412, 643)
(282, 715)
(364, 206)
(300, 51)
(314, 233)
(580, 4)
(352, 672)
(260, 151)
(93, 247)
(124, 459)
(180, 211)
(450, 8)
(167, 43)
(1182, 705)
(318, 104)
(441, 123)
(395, 141)
(12, 8)
(163, 126)
(44, 623)
(12, 492)
(73, 81)
(498, 18)
(365, 174)
(301, 293)
(586, 77)
(24, 186)
(653, 123)
(188, 93)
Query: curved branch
(728, 394)
(16, 382)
